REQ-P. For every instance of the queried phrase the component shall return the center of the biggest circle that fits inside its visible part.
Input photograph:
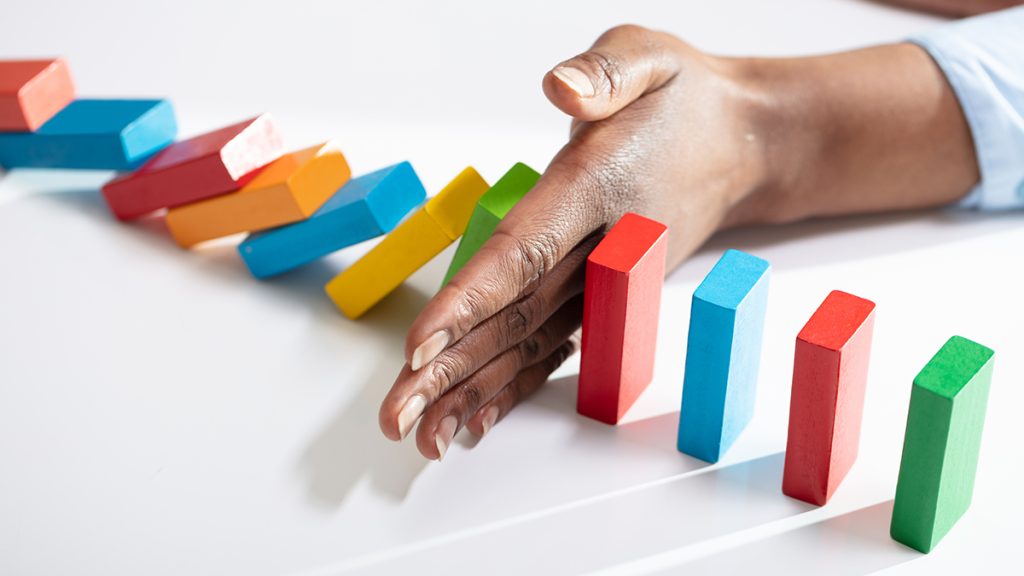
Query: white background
(161, 412)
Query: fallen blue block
(364, 208)
(94, 135)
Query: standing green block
(940, 450)
(491, 208)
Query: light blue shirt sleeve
(983, 59)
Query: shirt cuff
(983, 60)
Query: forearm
(871, 130)
(956, 7)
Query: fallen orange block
(32, 91)
(288, 190)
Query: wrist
(776, 115)
(871, 130)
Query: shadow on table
(350, 447)
(219, 258)
(854, 543)
(616, 528)
(656, 433)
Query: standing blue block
(722, 355)
(94, 135)
(364, 208)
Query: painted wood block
(723, 353)
(288, 190)
(201, 167)
(491, 208)
(32, 92)
(94, 135)
(943, 438)
(830, 372)
(364, 208)
(621, 299)
(408, 247)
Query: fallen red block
(32, 92)
(208, 165)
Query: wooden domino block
(830, 371)
(32, 92)
(408, 247)
(491, 208)
(940, 449)
(288, 190)
(94, 135)
(621, 300)
(201, 167)
(364, 208)
(723, 352)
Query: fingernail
(410, 412)
(429, 349)
(576, 80)
(490, 417)
(445, 433)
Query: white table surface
(161, 412)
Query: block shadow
(614, 529)
(220, 259)
(854, 543)
(654, 433)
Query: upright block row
(830, 370)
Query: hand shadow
(351, 447)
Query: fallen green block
(940, 449)
(489, 210)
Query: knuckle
(606, 70)
(561, 355)
(532, 256)
(444, 373)
(522, 316)
(471, 308)
(513, 393)
(530, 349)
(470, 397)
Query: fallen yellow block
(408, 247)
(288, 190)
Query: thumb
(625, 63)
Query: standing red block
(829, 377)
(620, 317)
(208, 165)
(32, 92)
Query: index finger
(533, 237)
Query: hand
(697, 142)
(659, 129)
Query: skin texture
(698, 142)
